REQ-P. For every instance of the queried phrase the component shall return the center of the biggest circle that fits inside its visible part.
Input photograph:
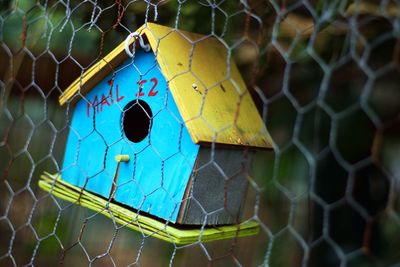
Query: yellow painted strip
(148, 226)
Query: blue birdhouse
(165, 132)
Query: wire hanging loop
(135, 35)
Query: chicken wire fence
(325, 76)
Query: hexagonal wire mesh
(325, 78)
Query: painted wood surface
(204, 81)
(142, 223)
(159, 166)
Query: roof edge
(253, 136)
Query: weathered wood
(216, 192)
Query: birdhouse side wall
(217, 188)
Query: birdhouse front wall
(111, 120)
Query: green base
(146, 225)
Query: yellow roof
(210, 94)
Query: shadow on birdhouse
(167, 133)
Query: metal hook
(136, 35)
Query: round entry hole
(136, 120)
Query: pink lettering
(119, 98)
(94, 104)
(140, 83)
(152, 92)
(104, 101)
(115, 96)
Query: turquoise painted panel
(155, 178)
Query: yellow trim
(141, 223)
(210, 93)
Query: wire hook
(135, 35)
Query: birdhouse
(168, 132)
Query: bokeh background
(325, 76)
